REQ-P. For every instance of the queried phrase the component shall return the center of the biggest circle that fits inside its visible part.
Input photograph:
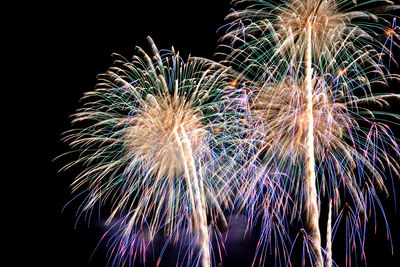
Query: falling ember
(233, 83)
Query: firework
(309, 66)
(171, 145)
(151, 147)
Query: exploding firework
(170, 146)
(151, 146)
(307, 70)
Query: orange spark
(389, 32)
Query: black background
(60, 50)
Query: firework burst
(309, 67)
(151, 147)
(169, 146)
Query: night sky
(65, 46)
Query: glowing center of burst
(324, 16)
(280, 118)
(156, 133)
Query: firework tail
(329, 237)
(312, 213)
(196, 196)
